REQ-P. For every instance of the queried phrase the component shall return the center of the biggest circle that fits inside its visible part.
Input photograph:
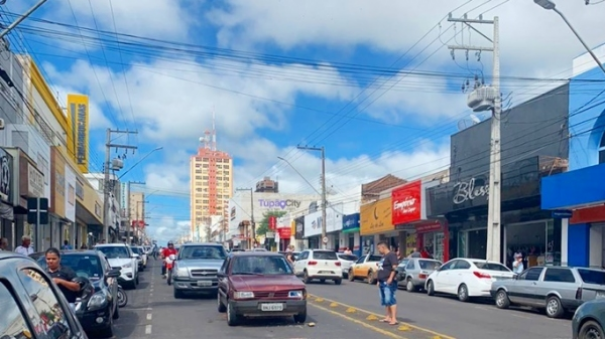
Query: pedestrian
(25, 247)
(518, 266)
(62, 275)
(290, 254)
(387, 285)
(415, 254)
(348, 251)
(3, 244)
(66, 245)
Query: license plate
(326, 272)
(204, 283)
(272, 307)
(600, 295)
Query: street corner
(370, 320)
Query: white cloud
(166, 228)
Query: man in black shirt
(387, 269)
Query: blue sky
(282, 73)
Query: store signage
(407, 203)
(465, 191)
(300, 229)
(272, 223)
(350, 222)
(284, 232)
(281, 204)
(6, 176)
(35, 181)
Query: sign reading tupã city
(279, 204)
(465, 191)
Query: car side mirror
(114, 273)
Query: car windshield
(139, 250)
(490, 266)
(325, 255)
(374, 258)
(203, 252)
(114, 252)
(592, 276)
(429, 264)
(85, 266)
(260, 265)
(348, 257)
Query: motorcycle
(122, 297)
(169, 263)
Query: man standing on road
(387, 285)
(165, 254)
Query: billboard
(78, 116)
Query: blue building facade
(579, 194)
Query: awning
(576, 189)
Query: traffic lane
(447, 316)
(136, 316)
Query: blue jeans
(387, 293)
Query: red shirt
(168, 251)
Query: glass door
(462, 244)
(438, 245)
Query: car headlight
(243, 295)
(181, 272)
(98, 300)
(296, 294)
(129, 265)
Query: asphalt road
(348, 311)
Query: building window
(602, 150)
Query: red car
(260, 284)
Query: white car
(346, 261)
(319, 265)
(121, 256)
(466, 278)
(142, 256)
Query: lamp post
(324, 239)
(252, 224)
(551, 6)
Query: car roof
(112, 245)
(202, 244)
(68, 252)
(255, 254)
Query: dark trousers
(163, 269)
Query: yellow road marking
(436, 334)
(333, 305)
(359, 322)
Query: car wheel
(409, 285)
(371, 278)
(219, 304)
(169, 278)
(322, 280)
(338, 281)
(306, 277)
(177, 294)
(554, 309)
(351, 276)
(232, 319)
(116, 312)
(133, 285)
(502, 300)
(591, 329)
(137, 279)
(463, 293)
(430, 288)
(301, 317)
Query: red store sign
(407, 203)
(284, 232)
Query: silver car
(412, 272)
(346, 261)
(196, 267)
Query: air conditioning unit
(2, 124)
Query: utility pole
(252, 223)
(136, 214)
(129, 227)
(21, 18)
(324, 202)
(484, 98)
(107, 187)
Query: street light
(549, 5)
(324, 203)
(140, 161)
(299, 174)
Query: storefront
(578, 198)
(89, 214)
(526, 228)
(376, 225)
(409, 215)
(7, 198)
(314, 224)
(63, 201)
(349, 238)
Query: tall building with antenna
(211, 173)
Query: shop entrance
(539, 242)
(472, 243)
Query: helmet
(170, 243)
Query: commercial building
(114, 214)
(578, 196)
(136, 216)
(267, 186)
(211, 174)
(534, 144)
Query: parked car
(346, 261)
(365, 268)
(466, 278)
(589, 320)
(253, 284)
(319, 265)
(142, 255)
(97, 311)
(28, 295)
(195, 269)
(412, 272)
(554, 289)
(121, 256)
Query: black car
(32, 305)
(103, 303)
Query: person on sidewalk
(25, 248)
(387, 285)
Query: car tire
(371, 278)
(220, 307)
(463, 293)
(136, 279)
(430, 288)
(306, 279)
(116, 312)
(591, 329)
(177, 294)
(554, 308)
(337, 281)
(300, 318)
(169, 278)
(351, 276)
(502, 300)
(107, 332)
(133, 285)
(232, 319)
(409, 285)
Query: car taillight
(579, 294)
(422, 276)
(311, 263)
(338, 263)
(482, 275)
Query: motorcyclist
(166, 252)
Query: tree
(263, 225)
